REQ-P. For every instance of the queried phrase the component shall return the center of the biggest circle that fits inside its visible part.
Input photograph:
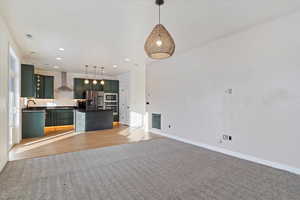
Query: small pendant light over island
(160, 44)
(102, 76)
(95, 80)
(86, 81)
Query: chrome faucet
(30, 100)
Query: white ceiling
(104, 33)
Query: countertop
(43, 108)
(99, 110)
(33, 111)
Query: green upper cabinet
(44, 87)
(107, 86)
(111, 86)
(49, 87)
(80, 87)
(27, 81)
(97, 87)
(115, 86)
(39, 89)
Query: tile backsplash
(49, 102)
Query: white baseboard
(124, 123)
(2, 165)
(233, 153)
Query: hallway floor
(62, 142)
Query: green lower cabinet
(33, 124)
(59, 117)
(64, 117)
(116, 118)
(49, 118)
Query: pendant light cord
(159, 3)
(159, 20)
(102, 73)
(159, 14)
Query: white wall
(134, 82)
(137, 96)
(124, 98)
(261, 66)
(5, 41)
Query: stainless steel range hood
(64, 84)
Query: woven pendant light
(160, 44)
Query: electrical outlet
(227, 137)
(229, 91)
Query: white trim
(232, 153)
(127, 124)
(16, 130)
(158, 132)
(2, 165)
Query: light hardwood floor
(58, 141)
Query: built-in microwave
(110, 97)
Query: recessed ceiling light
(61, 49)
(58, 58)
(127, 59)
(55, 67)
(115, 66)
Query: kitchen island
(93, 120)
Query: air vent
(156, 121)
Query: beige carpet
(159, 169)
